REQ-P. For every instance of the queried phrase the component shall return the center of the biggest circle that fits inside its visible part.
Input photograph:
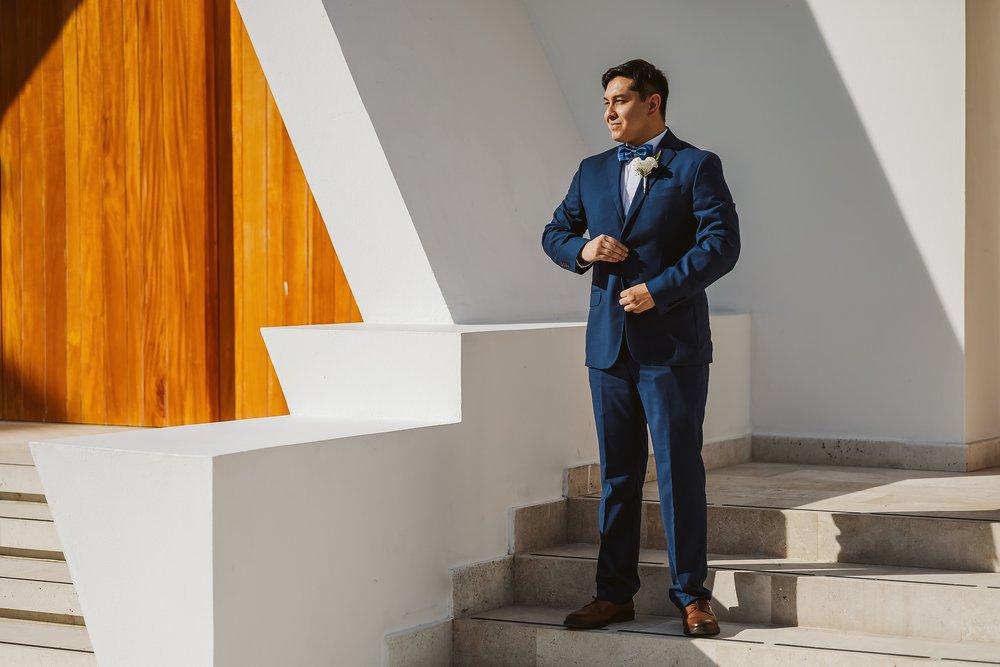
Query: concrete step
(36, 644)
(20, 482)
(908, 602)
(881, 539)
(28, 527)
(38, 589)
(535, 637)
(836, 513)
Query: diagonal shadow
(27, 31)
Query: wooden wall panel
(153, 216)
(12, 74)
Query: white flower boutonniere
(646, 166)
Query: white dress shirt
(631, 180)
(630, 183)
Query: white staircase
(821, 565)
(41, 623)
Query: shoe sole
(630, 616)
(700, 633)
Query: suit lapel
(667, 154)
(614, 175)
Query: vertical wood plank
(94, 344)
(151, 170)
(171, 214)
(254, 195)
(341, 298)
(322, 273)
(114, 244)
(74, 266)
(134, 266)
(295, 204)
(11, 67)
(209, 409)
(32, 216)
(224, 93)
(236, 33)
(275, 256)
(184, 211)
(54, 192)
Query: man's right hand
(603, 248)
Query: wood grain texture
(152, 189)
(74, 260)
(135, 307)
(153, 216)
(12, 68)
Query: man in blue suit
(663, 227)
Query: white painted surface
(137, 531)
(841, 130)
(727, 413)
(396, 374)
(302, 540)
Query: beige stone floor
(974, 495)
(15, 436)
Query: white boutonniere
(646, 166)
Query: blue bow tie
(627, 153)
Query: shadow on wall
(849, 333)
(27, 30)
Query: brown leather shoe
(598, 613)
(699, 619)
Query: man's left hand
(636, 299)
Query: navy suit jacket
(682, 234)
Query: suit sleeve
(717, 240)
(562, 238)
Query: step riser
(35, 656)
(20, 479)
(818, 535)
(29, 534)
(39, 596)
(487, 644)
(837, 603)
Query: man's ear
(654, 101)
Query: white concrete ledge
(304, 540)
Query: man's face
(629, 119)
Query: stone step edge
(549, 618)
(59, 634)
(905, 609)
(36, 554)
(586, 479)
(905, 540)
(52, 618)
(777, 508)
(900, 570)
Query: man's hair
(646, 80)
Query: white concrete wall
(841, 128)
